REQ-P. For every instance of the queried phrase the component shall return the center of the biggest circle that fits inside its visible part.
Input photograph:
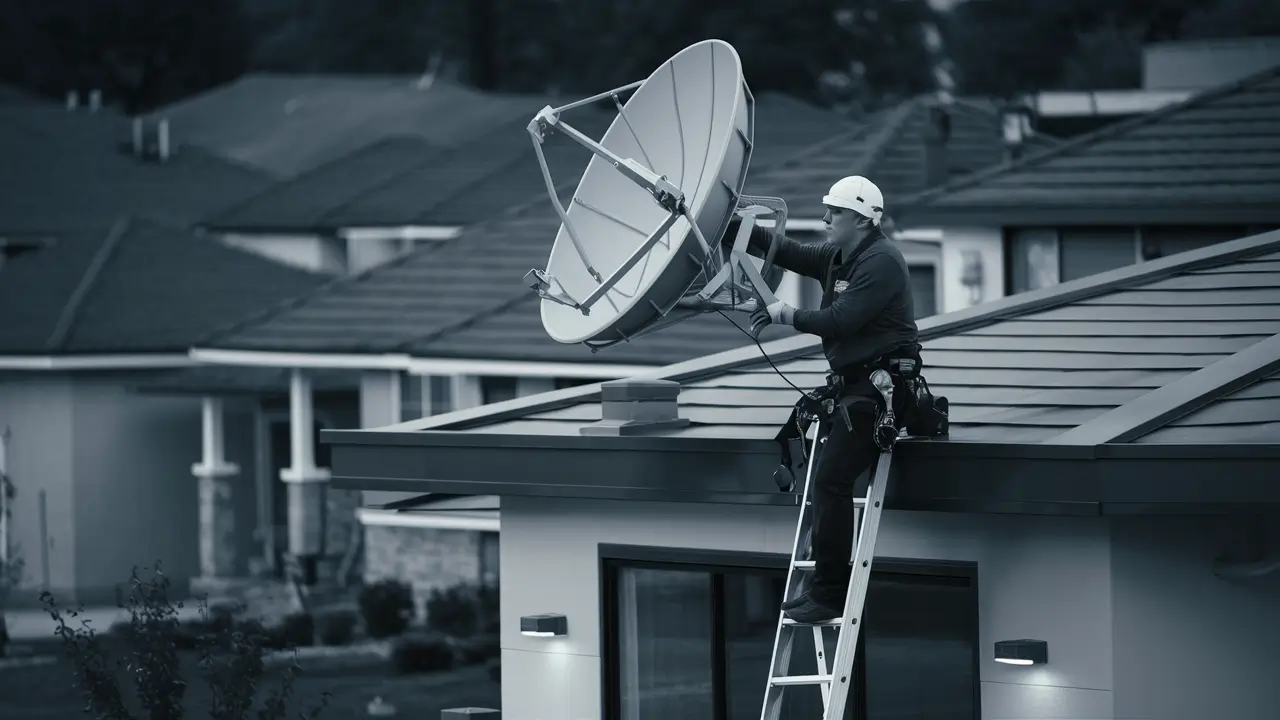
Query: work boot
(796, 601)
(811, 611)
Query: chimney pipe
(635, 407)
(95, 100)
(73, 100)
(162, 139)
(937, 134)
(1016, 128)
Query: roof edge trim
(53, 363)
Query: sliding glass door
(688, 635)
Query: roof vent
(636, 407)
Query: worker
(866, 320)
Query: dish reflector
(639, 246)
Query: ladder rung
(800, 680)
(833, 622)
(803, 564)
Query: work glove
(779, 312)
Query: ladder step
(803, 565)
(799, 680)
(833, 622)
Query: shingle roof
(289, 124)
(72, 171)
(406, 305)
(1023, 369)
(1214, 157)
(409, 181)
(140, 287)
(889, 149)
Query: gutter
(54, 363)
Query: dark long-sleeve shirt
(867, 309)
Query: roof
(74, 172)
(889, 149)
(289, 124)
(405, 180)
(474, 280)
(1038, 383)
(140, 287)
(1213, 158)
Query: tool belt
(893, 382)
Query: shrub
(422, 652)
(337, 626)
(298, 629)
(479, 649)
(387, 607)
(230, 661)
(463, 610)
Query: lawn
(44, 692)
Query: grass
(45, 692)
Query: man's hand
(779, 312)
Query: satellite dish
(639, 247)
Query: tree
(140, 53)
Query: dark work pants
(841, 461)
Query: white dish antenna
(639, 247)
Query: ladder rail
(781, 657)
(855, 600)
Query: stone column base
(217, 519)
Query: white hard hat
(858, 194)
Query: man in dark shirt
(866, 317)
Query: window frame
(613, 557)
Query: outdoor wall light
(550, 625)
(1022, 652)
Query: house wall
(1189, 645)
(426, 558)
(38, 410)
(136, 501)
(1039, 577)
(958, 243)
(309, 252)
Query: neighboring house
(1171, 73)
(104, 475)
(1191, 174)
(287, 125)
(1113, 451)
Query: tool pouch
(931, 414)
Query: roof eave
(1176, 212)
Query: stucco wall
(38, 411)
(1047, 578)
(1188, 645)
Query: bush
(422, 652)
(463, 610)
(231, 660)
(298, 630)
(386, 607)
(336, 627)
(479, 649)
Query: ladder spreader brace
(736, 270)
(833, 681)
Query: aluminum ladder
(832, 680)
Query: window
(497, 389)
(489, 558)
(1041, 257)
(688, 635)
(924, 288)
(419, 391)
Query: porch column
(307, 484)
(217, 514)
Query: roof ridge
(797, 346)
(891, 128)
(67, 318)
(1106, 132)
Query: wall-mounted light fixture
(1022, 652)
(549, 625)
